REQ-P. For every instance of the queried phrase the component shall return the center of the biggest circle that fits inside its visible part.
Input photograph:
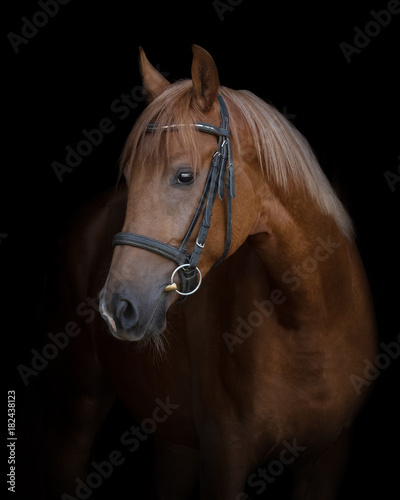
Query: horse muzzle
(130, 318)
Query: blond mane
(283, 153)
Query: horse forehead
(158, 166)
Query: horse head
(172, 193)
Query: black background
(66, 78)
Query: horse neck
(304, 253)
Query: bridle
(221, 169)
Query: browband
(207, 128)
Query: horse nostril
(123, 307)
(126, 313)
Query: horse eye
(185, 178)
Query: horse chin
(141, 335)
(128, 336)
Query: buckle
(201, 245)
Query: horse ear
(153, 81)
(204, 78)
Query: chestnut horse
(257, 365)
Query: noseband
(221, 169)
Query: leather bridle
(221, 172)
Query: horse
(232, 315)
